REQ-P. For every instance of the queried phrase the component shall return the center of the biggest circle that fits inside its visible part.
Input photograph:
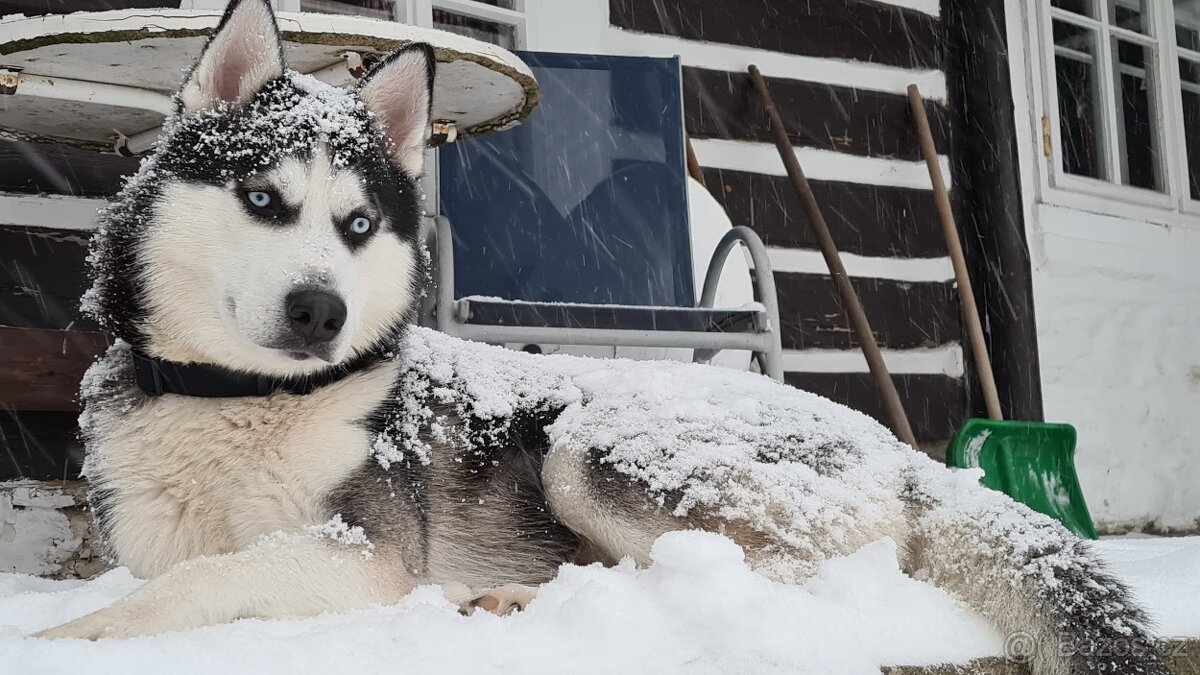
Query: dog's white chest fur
(191, 476)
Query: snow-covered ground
(698, 609)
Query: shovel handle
(966, 296)
(890, 399)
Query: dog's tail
(1053, 600)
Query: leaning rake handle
(858, 318)
(966, 297)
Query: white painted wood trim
(931, 7)
(60, 212)
(716, 56)
(817, 164)
(1174, 208)
(479, 10)
(945, 360)
(810, 261)
(582, 26)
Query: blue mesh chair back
(585, 202)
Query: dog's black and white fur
(275, 234)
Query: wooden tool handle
(966, 296)
(892, 406)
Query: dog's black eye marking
(357, 228)
(265, 203)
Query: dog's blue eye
(360, 225)
(258, 198)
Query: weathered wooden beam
(42, 276)
(40, 369)
(986, 173)
(46, 168)
(719, 104)
(869, 220)
(905, 314)
(936, 404)
(873, 32)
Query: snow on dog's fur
(274, 234)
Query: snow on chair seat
(498, 312)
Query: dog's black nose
(316, 316)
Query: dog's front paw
(109, 622)
(79, 629)
(128, 617)
(501, 600)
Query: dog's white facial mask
(221, 279)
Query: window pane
(1084, 7)
(379, 9)
(488, 31)
(1190, 76)
(1187, 24)
(1079, 108)
(1134, 15)
(503, 4)
(1187, 33)
(1137, 115)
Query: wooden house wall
(45, 342)
(837, 69)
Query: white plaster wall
(1117, 302)
(1118, 312)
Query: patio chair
(573, 229)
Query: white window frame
(1057, 187)
(420, 13)
(515, 17)
(1188, 204)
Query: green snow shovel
(1032, 462)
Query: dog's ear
(243, 54)
(399, 92)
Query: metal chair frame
(448, 314)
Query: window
(1187, 36)
(501, 22)
(493, 21)
(1123, 82)
(376, 9)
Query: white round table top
(480, 87)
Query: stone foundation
(46, 530)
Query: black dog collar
(157, 377)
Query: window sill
(1126, 203)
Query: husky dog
(271, 437)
